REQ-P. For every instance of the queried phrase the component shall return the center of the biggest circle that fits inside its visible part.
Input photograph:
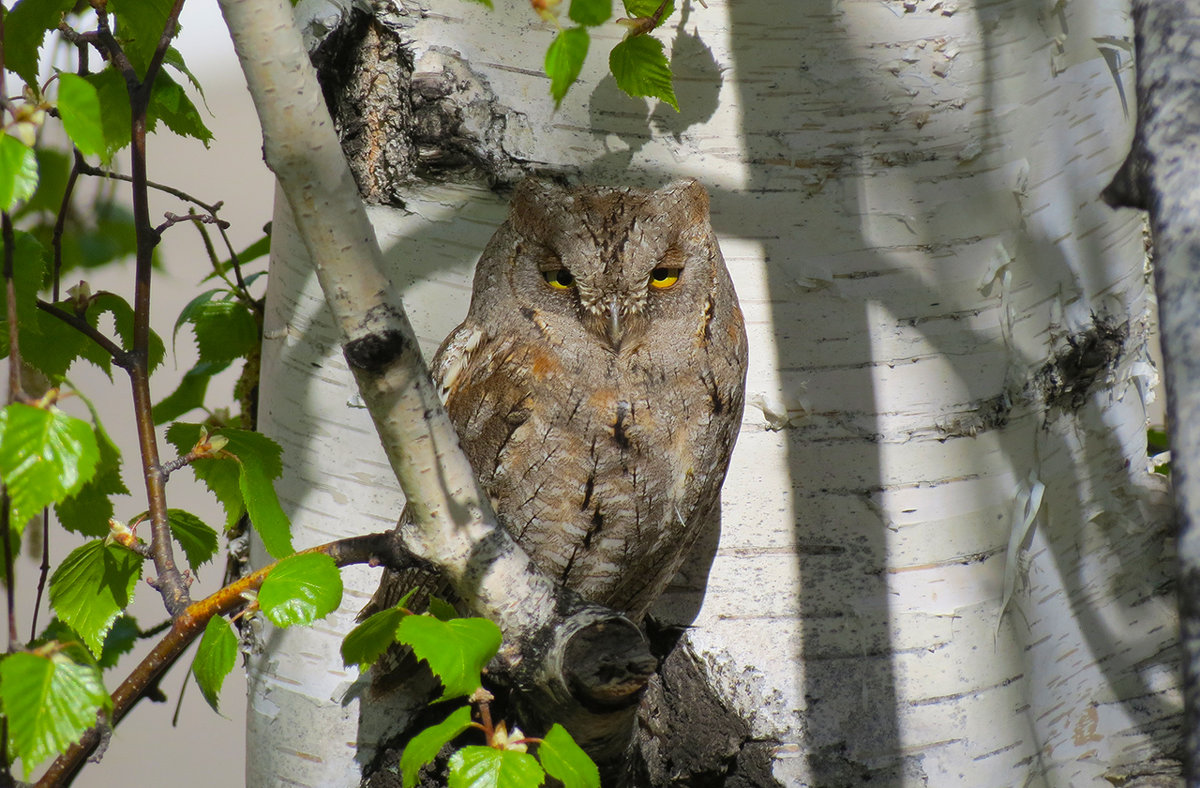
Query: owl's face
(612, 261)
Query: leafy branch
(638, 62)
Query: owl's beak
(614, 323)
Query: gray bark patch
(404, 117)
(688, 736)
(1081, 365)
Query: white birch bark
(906, 194)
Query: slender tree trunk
(1160, 175)
(942, 555)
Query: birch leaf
(456, 650)
(301, 589)
(425, 746)
(215, 657)
(564, 60)
(640, 68)
(92, 586)
(367, 641)
(565, 761)
(486, 767)
(49, 700)
(45, 456)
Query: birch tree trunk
(943, 560)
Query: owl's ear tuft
(536, 194)
(693, 197)
(533, 204)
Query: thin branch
(9, 579)
(118, 354)
(170, 581)
(100, 172)
(373, 549)
(15, 389)
(171, 466)
(43, 575)
(60, 223)
(213, 209)
(199, 218)
(116, 55)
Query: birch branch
(453, 524)
(1162, 175)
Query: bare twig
(43, 575)
(199, 218)
(60, 223)
(100, 172)
(9, 580)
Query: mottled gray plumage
(597, 382)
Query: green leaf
(52, 346)
(25, 28)
(590, 12)
(566, 761)
(123, 321)
(425, 746)
(175, 60)
(112, 236)
(646, 8)
(170, 103)
(54, 167)
(225, 328)
(262, 504)
(49, 698)
(254, 251)
(18, 171)
(45, 456)
(441, 609)
(92, 586)
(215, 658)
(564, 60)
(190, 310)
(487, 3)
(301, 589)
(198, 541)
(641, 69)
(119, 640)
(189, 395)
(140, 25)
(243, 482)
(115, 113)
(456, 650)
(79, 108)
(487, 767)
(29, 268)
(89, 510)
(367, 641)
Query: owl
(597, 382)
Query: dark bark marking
(374, 352)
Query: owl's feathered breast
(605, 468)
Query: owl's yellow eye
(663, 277)
(559, 278)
